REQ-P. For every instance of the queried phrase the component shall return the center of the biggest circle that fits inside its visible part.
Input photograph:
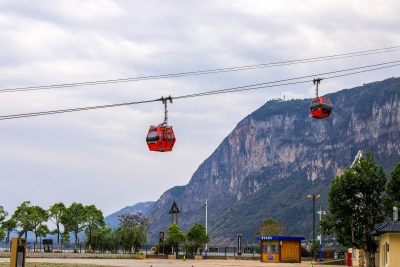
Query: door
(163, 143)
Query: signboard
(18, 250)
(239, 244)
(161, 244)
(249, 250)
(48, 245)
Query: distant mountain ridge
(278, 155)
(142, 207)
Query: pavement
(161, 263)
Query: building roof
(387, 227)
(280, 238)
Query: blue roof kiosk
(280, 248)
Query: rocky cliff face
(278, 155)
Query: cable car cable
(291, 79)
(204, 72)
(229, 90)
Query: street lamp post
(314, 197)
(320, 212)
(206, 228)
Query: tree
(3, 214)
(135, 226)
(2, 234)
(270, 227)
(9, 226)
(73, 220)
(392, 198)
(21, 216)
(356, 206)
(42, 232)
(55, 213)
(197, 236)
(65, 237)
(37, 216)
(102, 238)
(175, 236)
(93, 218)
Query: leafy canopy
(270, 227)
(392, 198)
(197, 236)
(175, 236)
(356, 205)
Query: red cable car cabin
(320, 108)
(160, 138)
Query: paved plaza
(162, 263)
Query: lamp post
(206, 228)
(320, 212)
(313, 197)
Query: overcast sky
(100, 157)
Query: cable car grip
(164, 101)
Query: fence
(68, 250)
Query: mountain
(278, 155)
(142, 207)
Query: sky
(100, 157)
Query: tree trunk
(76, 238)
(34, 247)
(133, 243)
(7, 241)
(90, 240)
(58, 237)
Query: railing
(68, 250)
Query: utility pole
(314, 197)
(206, 228)
(320, 212)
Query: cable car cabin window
(326, 106)
(164, 137)
(152, 133)
(173, 137)
(315, 105)
(152, 137)
(169, 136)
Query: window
(169, 136)
(326, 106)
(164, 137)
(152, 133)
(315, 105)
(384, 254)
